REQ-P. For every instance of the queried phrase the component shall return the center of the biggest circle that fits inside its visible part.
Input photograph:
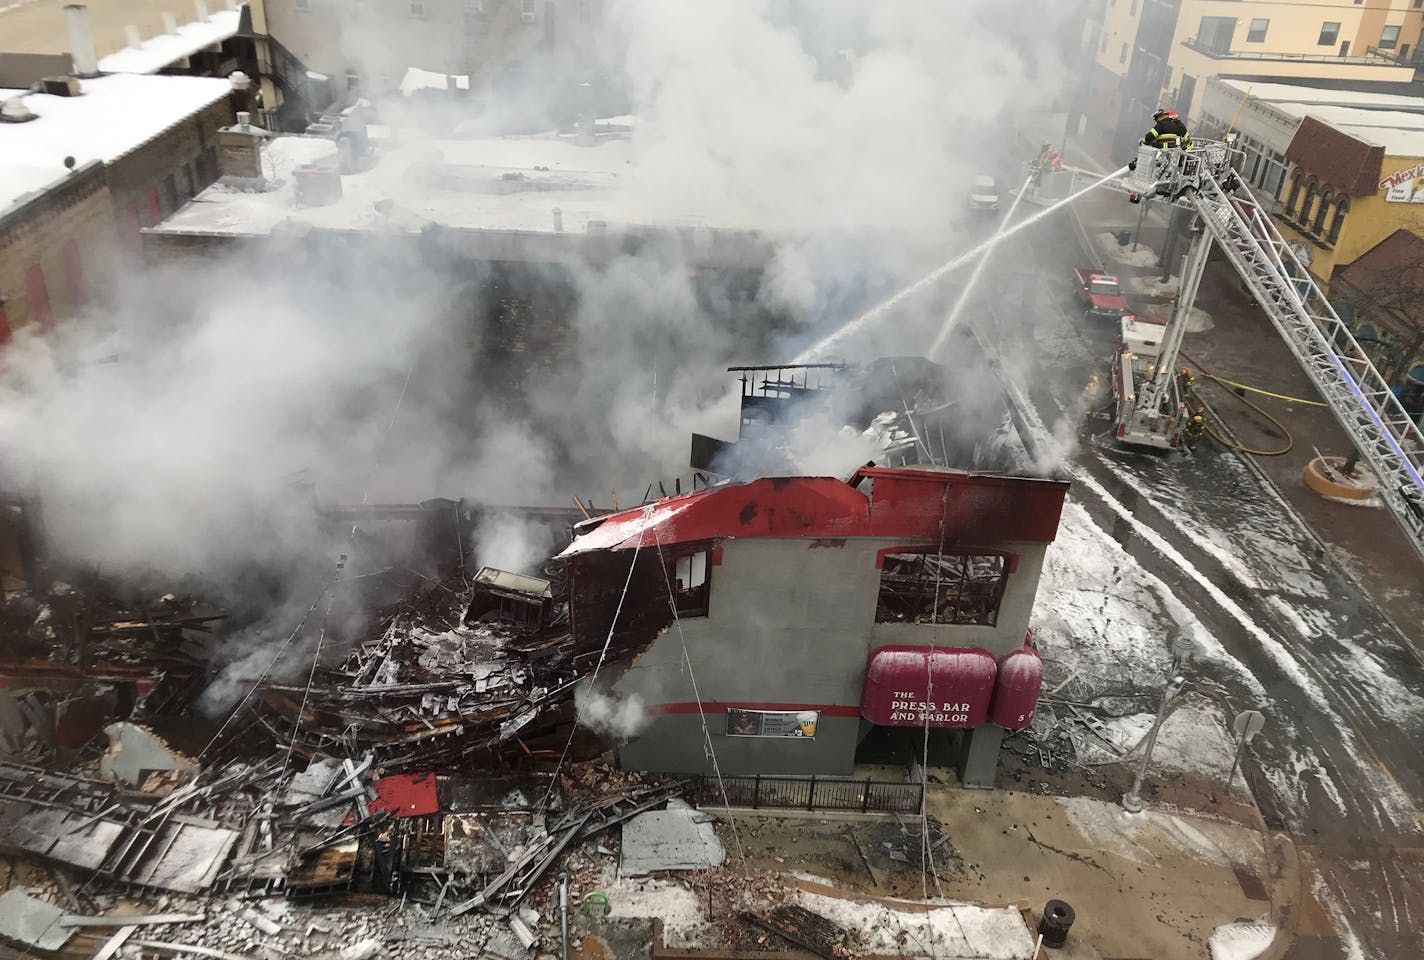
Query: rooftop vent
(317, 184)
(60, 86)
(81, 40)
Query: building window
(1122, 57)
(1257, 33)
(1296, 182)
(1132, 10)
(1329, 33)
(417, 8)
(302, 5)
(1214, 34)
(690, 586)
(38, 293)
(1389, 38)
(529, 11)
(1307, 203)
(1322, 209)
(954, 588)
(474, 8)
(1342, 207)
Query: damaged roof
(902, 503)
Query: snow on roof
(1292, 93)
(498, 184)
(112, 116)
(158, 52)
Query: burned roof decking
(904, 503)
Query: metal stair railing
(1387, 438)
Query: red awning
(1016, 693)
(910, 686)
(406, 795)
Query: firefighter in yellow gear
(1090, 394)
(1196, 427)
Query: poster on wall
(772, 723)
(1405, 186)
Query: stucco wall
(790, 623)
(1293, 30)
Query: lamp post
(1182, 649)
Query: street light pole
(1182, 648)
(1131, 802)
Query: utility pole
(1182, 649)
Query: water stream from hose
(870, 317)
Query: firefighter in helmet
(1167, 131)
(1196, 426)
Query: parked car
(984, 193)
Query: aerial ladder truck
(1151, 411)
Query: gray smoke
(617, 718)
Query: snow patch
(1135, 836)
(948, 928)
(1241, 940)
(1191, 740)
(679, 909)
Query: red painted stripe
(824, 709)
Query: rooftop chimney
(240, 153)
(81, 40)
(170, 22)
(134, 38)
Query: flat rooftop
(113, 116)
(38, 26)
(1392, 121)
(154, 54)
(1295, 93)
(508, 184)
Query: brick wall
(54, 250)
(58, 250)
(151, 182)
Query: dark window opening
(1329, 33)
(1389, 38)
(1257, 33)
(953, 588)
(1322, 209)
(690, 575)
(1214, 34)
(1338, 221)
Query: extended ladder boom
(1387, 437)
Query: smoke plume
(617, 718)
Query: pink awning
(910, 686)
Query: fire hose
(1237, 390)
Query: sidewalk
(1239, 343)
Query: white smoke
(617, 718)
(164, 430)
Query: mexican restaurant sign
(1404, 186)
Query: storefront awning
(1016, 694)
(911, 686)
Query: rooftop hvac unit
(61, 86)
(317, 185)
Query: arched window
(1342, 207)
(1322, 210)
(1296, 180)
(1307, 203)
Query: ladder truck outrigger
(1151, 410)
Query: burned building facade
(806, 612)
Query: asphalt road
(1341, 765)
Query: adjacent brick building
(94, 163)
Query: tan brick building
(86, 172)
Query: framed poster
(772, 723)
